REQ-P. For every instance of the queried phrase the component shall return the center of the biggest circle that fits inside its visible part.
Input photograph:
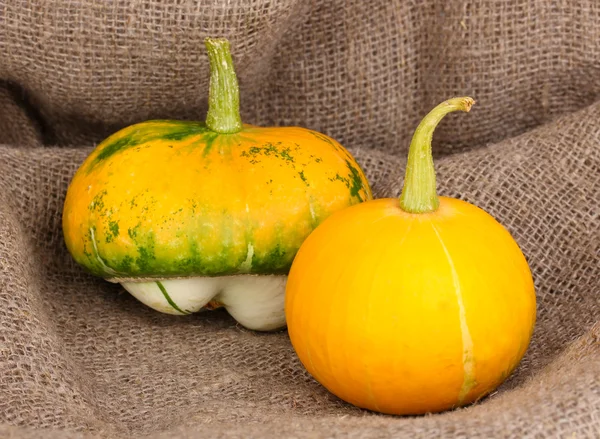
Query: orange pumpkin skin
(406, 313)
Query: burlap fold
(79, 357)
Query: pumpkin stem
(224, 95)
(419, 191)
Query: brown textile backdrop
(80, 358)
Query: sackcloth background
(81, 358)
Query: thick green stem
(419, 191)
(224, 95)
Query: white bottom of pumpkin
(256, 302)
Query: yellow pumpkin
(188, 215)
(414, 305)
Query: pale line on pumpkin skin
(105, 267)
(247, 264)
(467, 341)
(312, 211)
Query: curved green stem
(224, 95)
(419, 191)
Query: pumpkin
(197, 215)
(415, 305)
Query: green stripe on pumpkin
(173, 304)
(146, 132)
(357, 182)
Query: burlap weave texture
(81, 358)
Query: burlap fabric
(81, 358)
